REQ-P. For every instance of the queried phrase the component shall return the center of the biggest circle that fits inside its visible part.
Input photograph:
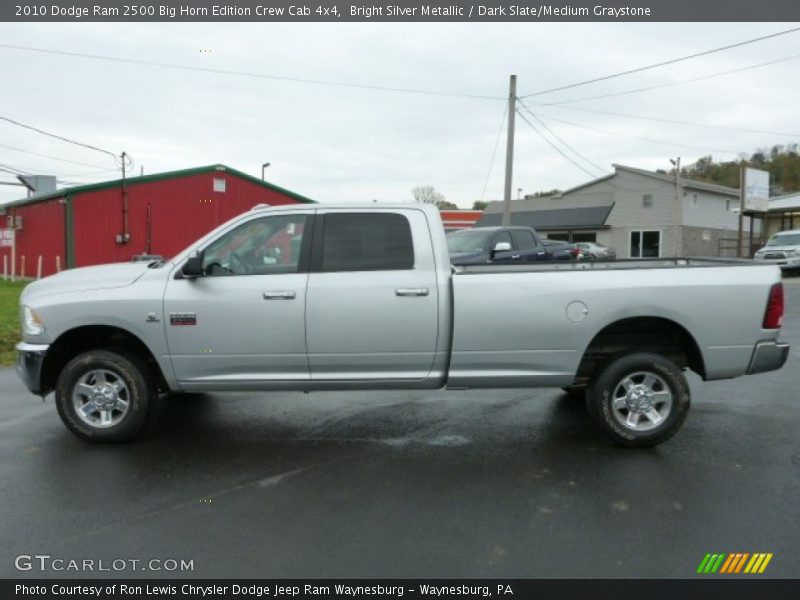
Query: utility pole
(512, 111)
(742, 192)
(125, 232)
(677, 234)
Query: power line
(494, 153)
(14, 170)
(74, 162)
(565, 144)
(149, 63)
(671, 84)
(556, 148)
(606, 178)
(6, 168)
(664, 63)
(677, 122)
(633, 137)
(58, 137)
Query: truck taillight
(773, 316)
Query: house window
(694, 200)
(647, 200)
(584, 237)
(219, 185)
(645, 244)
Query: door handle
(285, 295)
(411, 292)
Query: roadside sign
(756, 191)
(6, 238)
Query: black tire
(575, 392)
(607, 384)
(138, 392)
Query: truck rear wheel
(639, 400)
(104, 395)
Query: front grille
(775, 255)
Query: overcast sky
(343, 144)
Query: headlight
(32, 323)
(793, 253)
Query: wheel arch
(84, 338)
(659, 335)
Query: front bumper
(786, 264)
(768, 356)
(30, 358)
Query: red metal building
(108, 222)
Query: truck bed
(607, 265)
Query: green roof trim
(129, 181)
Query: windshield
(787, 239)
(468, 241)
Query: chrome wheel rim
(641, 401)
(101, 398)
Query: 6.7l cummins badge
(183, 318)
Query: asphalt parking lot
(509, 483)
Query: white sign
(756, 191)
(6, 238)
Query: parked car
(593, 250)
(371, 301)
(782, 249)
(499, 245)
(559, 247)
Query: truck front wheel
(104, 395)
(639, 400)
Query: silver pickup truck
(364, 297)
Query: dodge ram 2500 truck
(364, 297)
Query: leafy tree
(782, 162)
(479, 205)
(542, 194)
(445, 205)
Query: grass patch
(9, 319)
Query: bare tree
(427, 194)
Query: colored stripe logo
(737, 562)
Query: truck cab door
(373, 301)
(503, 256)
(240, 324)
(528, 246)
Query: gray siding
(706, 211)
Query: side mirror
(502, 247)
(193, 267)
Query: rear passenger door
(372, 298)
(526, 246)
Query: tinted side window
(366, 242)
(523, 240)
(503, 236)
